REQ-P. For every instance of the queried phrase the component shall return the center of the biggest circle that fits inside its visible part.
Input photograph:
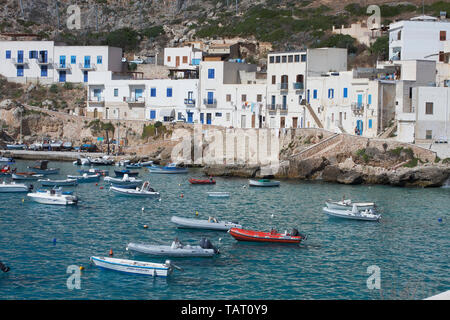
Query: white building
(45, 62)
(287, 74)
(183, 62)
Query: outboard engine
(31, 187)
(295, 232)
(206, 244)
(3, 267)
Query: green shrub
(411, 163)
(152, 32)
(125, 38)
(53, 88)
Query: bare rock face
(431, 176)
(238, 170)
(303, 169)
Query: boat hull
(134, 193)
(360, 206)
(121, 174)
(218, 194)
(56, 200)
(81, 179)
(347, 214)
(257, 236)
(256, 183)
(168, 251)
(187, 223)
(58, 183)
(199, 181)
(26, 177)
(45, 171)
(130, 266)
(14, 188)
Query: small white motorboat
(5, 160)
(355, 214)
(177, 249)
(53, 196)
(85, 178)
(125, 182)
(347, 204)
(263, 183)
(58, 183)
(14, 187)
(218, 194)
(210, 224)
(132, 266)
(145, 191)
(82, 162)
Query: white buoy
(142, 209)
(271, 215)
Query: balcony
(357, 108)
(59, 66)
(283, 86)
(189, 102)
(282, 107)
(96, 100)
(298, 87)
(272, 108)
(210, 103)
(19, 61)
(86, 67)
(135, 101)
(42, 61)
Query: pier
(49, 155)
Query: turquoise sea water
(410, 245)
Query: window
(259, 98)
(218, 114)
(345, 115)
(442, 35)
(429, 134)
(330, 93)
(228, 97)
(283, 59)
(274, 79)
(369, 98)
(315, 94)
(185, 59)
(152, 92)
(99, 59)
(228, 116)
(290, 58)
(243, 97)
(33, 54)
(370, 123)
(271, 59)
(169, 92)
(399, 35)
(277, 59)
(152, 114)
(20, 71)
(345, 92)
(116, 92)
(168, 58)
(73, 59)
(210, 97)
(8, 54)
(297, 58)
(441, 56)
(44, 72)
(428, 107)
(210, 73)
(303, 57)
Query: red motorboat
(6, 170)
(202, 181)
(272, 236)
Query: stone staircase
(319, 148)
(386, 133)
(315, 117)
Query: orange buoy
(111, 253)
(145, 226)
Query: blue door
(190, 117)
(152, 114)
(359, 125)
(208, 118)
(307, 95)
(85, 76)
(210, 97)
(97, 94)
(62, 76)
(284, 102)
(87, 61)
(360, 100)
(43, 56)
(20, 56)
(202, 118)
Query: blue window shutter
(169, 92)
(210, 97)
(116, 92)
(152, 114)
(345, 92)
(315, 94)
(370, 123)
(73, 59)
(370, 99)
(8, 54)
(99, 59)
(210, 73)
(152, 92)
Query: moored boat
(210, 224)
(53, 196)
(263, 183)
(26, 176)
(133, 266)
(121, 173)
(41, 168)
(261, 236)
(57, 183)
(202, 181)
(6, 170)
(171, 168)
(219, 194)
(14, 187)
(177, 249)
(6, 160)
(102, 161)
(347, 204)
(85, 178)
(354, 214)
(125, 182)
(145, 191)
(82, 162)
(91, 171)
(16, 146)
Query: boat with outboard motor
(85, 178)
(210, 224)
(6, 160)
(15, 187)
(7, 170)
(121, 173)
(171, 168)
(347, 204)
(91, 171)
(102, 161)
(82, 162)
(218, 194)
(125, 182)
(263, 183)
(57, 183)
(133, 266)
(41, 167)
(26, 176)
(144, 191)
(354, 214)
(272, 236)
(177, 249)
(202, 181)
(53, 196)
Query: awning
(167, 113)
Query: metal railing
(298, 86)
(282, 107)
(357, 107)
(189, 102)
(283, 86)
(272, 107)
(59, 66)
(19, 61)
(210, 103)
(40, 60)
(84, 66)
(135, 100)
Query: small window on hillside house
(429, 108)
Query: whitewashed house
(47, 63)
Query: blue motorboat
(120, 173)
(170, 168)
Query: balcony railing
(210, 103)
(84, 66)
(189, 102)
(272, 107)
(282, 107)
(19, 61)
(357, 108)
(96, 99)
(283, 86)
(297, 86)
(59, 66)
(135, 100)
(43, 61)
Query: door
(359, 125)
(177, 61)
(43, 56)
(284, 106)
(138, 94)
(202, 118)
(294, 122)
(85, 76)
(152, 114)
(253, 120)
(208, 118)
(62, 61)
(340, 118)
(210, 97)
(87, 61)
(97, 94)
(360, 100)
(243, 121)
(190, 117)
(62, 76)
(282, 122)
(20, 56)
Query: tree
(380, 48)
